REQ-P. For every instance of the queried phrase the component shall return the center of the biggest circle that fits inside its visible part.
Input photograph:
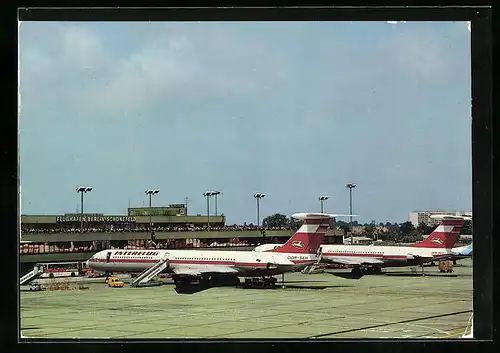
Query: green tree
(424, 229)
(276, 220)
(370, 229)
(467, 228)
(406, 228)
(341, 224)
(294, 223)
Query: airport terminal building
(73, 236)
(137, 219)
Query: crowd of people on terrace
(130, 244)
(145, 228)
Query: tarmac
(398, 304)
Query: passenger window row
(204, 259)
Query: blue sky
(294, 110)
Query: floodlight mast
(321, 199)
(151, 192)
(350, 186)
(207, 194)
(82, 190)
(257, 197)
(215, 193)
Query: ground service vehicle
(114, 282)
(62, 269)
(446, 266)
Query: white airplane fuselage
(245, 263)
(392, 256)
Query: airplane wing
(203, 269)
(416, 256)
(282, 263)
(344, 260)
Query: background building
(418, 217)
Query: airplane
(371, 258)
(461, 252)
(464, 251)
(220, 267)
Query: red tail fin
(309, 237)
(444, 236)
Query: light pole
(350, 186)
(258, 196)
(82, 190)
(321, 199)
(207, 194)
(215, 193)
(151, 192)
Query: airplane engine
(271, 266)
(410, 257)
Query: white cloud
(84, 73)
(80, 47)
(420, 54)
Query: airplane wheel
(377, 270)
(236, 281)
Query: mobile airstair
(35, 273)
(310, 268)
(148, 274)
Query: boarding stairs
(148, 274)
(36, 272)
(310, 268)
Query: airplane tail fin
(309, 236)
(444, 236)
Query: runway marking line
(393, 323)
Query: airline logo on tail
(445, 234)
(437, 241)
(298, 244)
(309, 236)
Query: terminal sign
(95, 218)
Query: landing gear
(260, 282)
(181, 280)
(206, 280)
(366, 270)
(226, 280)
